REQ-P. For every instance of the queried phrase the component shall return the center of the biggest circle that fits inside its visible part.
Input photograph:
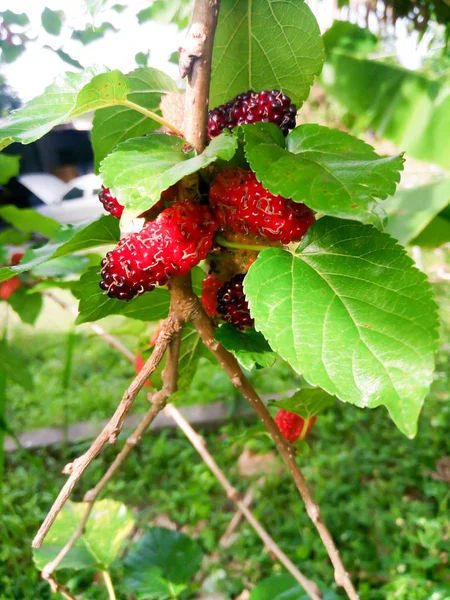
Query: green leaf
(119, 8)
(176, 557)
(14, 237)
(284, 587)
(15, 367)
(406, 107)
(68, 240)
(411, 210)
(95, 304)
(9, 167)
(119, 123)
(92, 33)
(435, 234)
(27, 306)
(351, 313)
(40, 115)
(349, 37)
(108, 526)
(142, 58)
(52, 21)
(29, 221)
(265, 44)
(62, 266)
(94, 6)
(51, 284)
(306, 402)
(175, 11)
(11, 18)
(67, 58)
(249, 346)
(140, 169)
(10, 52)
(329, 170)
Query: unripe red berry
(139, 363)
(293, 426)
(7, 288)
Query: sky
(37, 67)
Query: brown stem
(195, 64)
(199, 444)
(227, 538)
(111, 430)
(159, 400)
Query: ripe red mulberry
(232, 304)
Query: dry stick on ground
(91, 495)
(199, 444)
(158, 400)
(76, 469)
(198, 47)
(227, 538)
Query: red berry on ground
(241, 204)
(210, 286)
(139, 363)
(16, 258)
(232, 304)
(293, 426)
(252, 107)
(110, 203)
(7, 288)
(171, 245)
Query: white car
(68, 203)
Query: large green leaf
(401, 105)
(27, 306)
(265, 44)
(176, 557)
(109, 524)
(140, 169)
(68, 240)
(307, 402)
(29, 221)
(329, 170)
(349, 37)
(9, 167)
(249, 347)
(119, 123)
(95, 304)
(410, 211)
(351, 313)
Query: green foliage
(28, 220)
(175, 11)
(250, 347)
(94, 6)
(349, 37)
(116, 124)
(9, 167)
(68, 59)
(92, 33)
(140, 169)
(11, 18)
(67, 241)
(412, 210)
(330, 171)
(265, 44)
(306, 402)
(161, 563)
(28, 307)
(95, 304)
(334, 308)
(108, 527)
(142, 58)
(52, 21)
(406, 107)
(14, 366)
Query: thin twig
(109, 585)
(111, 430)
(62, 589)
(199, 444)
(227, 538)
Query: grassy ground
(387, 513)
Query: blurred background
(385, 498)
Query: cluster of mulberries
(179, 232)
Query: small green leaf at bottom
(352, 314)
(249, 347)
(306, 403)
